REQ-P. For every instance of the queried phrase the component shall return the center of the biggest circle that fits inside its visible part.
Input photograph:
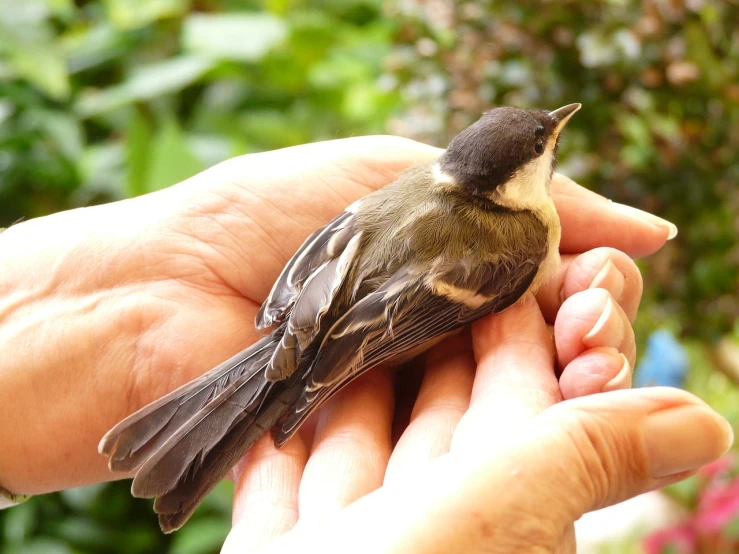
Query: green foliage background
(106, 99)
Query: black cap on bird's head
(501, 143)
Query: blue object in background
(665, 362)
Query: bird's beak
(562, 115)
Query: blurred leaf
(635, 130)
(701, 51)
(138, 150)
(732, 529)
(685, 492)
(143, 539)
(712, 386)
(102, 168)
(146, 83)
(211, 149)
(87, 47)
(272, 128)
(664, 126)
(201, 537)
(44, 67)
(60, 129)
(221, 499)
(6, 110)
(60, 6)
(126, 14)
(36, 58)
(362, 102)
(172, 160)
(241, 37)
(26, 12)
(43, 546)
(19, 523)
(84, 533)
(82, 498)
(279, 7)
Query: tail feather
(185, 444)
(135, 439)
(190, 444)
(176, 506)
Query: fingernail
(608, 329)
(685, 438)
(611, 279)
(622, 380)
(646, 216)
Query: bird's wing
(306, 289)
(320, 248)
(410, 309)
(305, 320)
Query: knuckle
(582, 308)
(635, 280)
(352, 453)
(513, 530)
(607, 462)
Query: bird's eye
(539, 146)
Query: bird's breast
(548, 215)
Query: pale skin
(105, 309)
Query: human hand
(105, 309)
(492, 460)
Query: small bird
(445, 244)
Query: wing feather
(399, 316)
(320, 247)
(314, 300)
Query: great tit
(445, 244)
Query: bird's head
(508, 153)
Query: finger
(590, 220)
(624, 443)
(443, 398)
(351, 447)
(596, 370)
(567, 543)
(515, 374)
(604, 268)
(592, 319)
(266, 492)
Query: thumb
(579, 455)
(606, 448)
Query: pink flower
(718, 507)
(719, 467)
(675, 540)
(717, 510)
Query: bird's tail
(181, 446)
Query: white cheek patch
(529, 187)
